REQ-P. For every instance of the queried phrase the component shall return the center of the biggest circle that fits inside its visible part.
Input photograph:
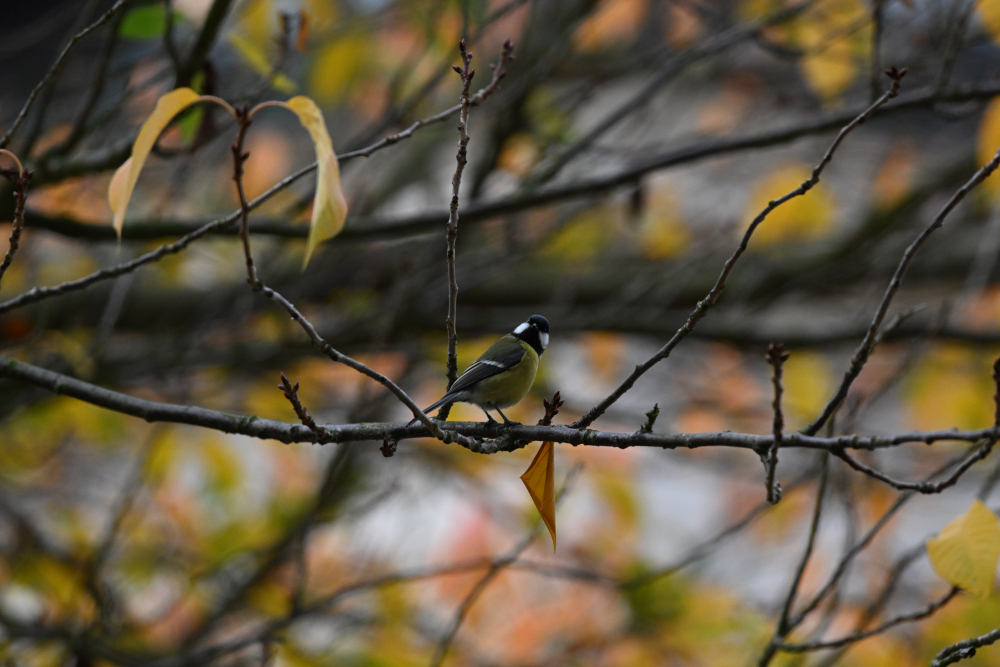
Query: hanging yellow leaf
(966, 551)
(123, 182)
(539, 479)
(329, 206)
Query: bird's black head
(534, 332)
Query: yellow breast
(508, 388)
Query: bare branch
(720, 285)
(54, 69)
(867, 345)
(468, 434)
(776, 357)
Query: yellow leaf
(539, 479)
(809, 381)
(123, 182)
(338, 65)
(831, 71)
(989, 139)
(989, 15)
(329, 206)
(966, 551)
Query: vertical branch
(239, 159)
(878, 15)
(776, 357)
(452, 233)
(785, 622)
(17, 225)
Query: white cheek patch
(544, 337)
(521, 328)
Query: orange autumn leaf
(539, 479)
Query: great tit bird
(504, 374)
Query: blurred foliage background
(610, 176)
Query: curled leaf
(539, 479)
(329, 205)
(966, 551)
(123, 182)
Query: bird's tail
(447, 398)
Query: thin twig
(54, 69)
(868, 344)
(291, 392)
(720, 285)
(776, 357)
(926, 488)
(468, 434)
(240, 157)
(785, 625)
(17, 224)
(451, 236)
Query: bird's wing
(484, 368)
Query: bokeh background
(609, 178)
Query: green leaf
(147, 22)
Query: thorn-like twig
(776, 357)
(291, 392)
(551, 409)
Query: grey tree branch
(776, 357)
(475, 436)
